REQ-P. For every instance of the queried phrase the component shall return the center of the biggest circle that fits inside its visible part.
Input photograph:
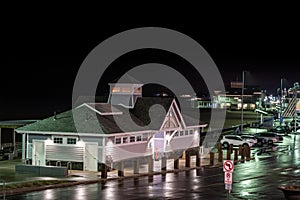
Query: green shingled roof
(15, 123)
(88, 121)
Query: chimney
(54, 115)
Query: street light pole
(242, 114)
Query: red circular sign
(228, 166)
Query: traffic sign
(228, 166)
(228, 178)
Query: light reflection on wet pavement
(255, 179)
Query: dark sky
(41, 56)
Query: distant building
(232, 98)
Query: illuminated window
(71, 141)
(125, 89)
(116, 89)
(138, 138)
(118, 140)
(57, 140)
(132, 139)
(137, 90)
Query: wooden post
(240, 150)
(228, 154)
(121, 169)
(235, 156)
(248, 153)
(150, 164)
(176, 163)
(219, 147)
(243, 155)
(104, 170)
(163, 163)
(187, 160)
(211, 158)
(220, 153)
(198, 160)
(220, 156)
(231, 148)
(136, 166)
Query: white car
(249, 138)
(235, 140)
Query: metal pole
(280, 101)
(295, 114)
(242, 115)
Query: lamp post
(242, 114)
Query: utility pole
(242, 114)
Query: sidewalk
(7, 171)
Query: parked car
(255, 140)
(250, 138)
(235, 140)
(292, 125)
(281, 130)
(268, 136)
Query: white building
(100, 142)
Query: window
(181, 133)
(116, 89)
(191, 132)
(71, 141)
(138, 138)
(132, 139)
(186, 132)
(57, 140)
(176, 134)
(125, 139)
(126, 89)
(118, 140)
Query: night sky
(41, 57)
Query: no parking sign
(228, 178)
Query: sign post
(228, 167)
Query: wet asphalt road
(256, 179)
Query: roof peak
(126, 78)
